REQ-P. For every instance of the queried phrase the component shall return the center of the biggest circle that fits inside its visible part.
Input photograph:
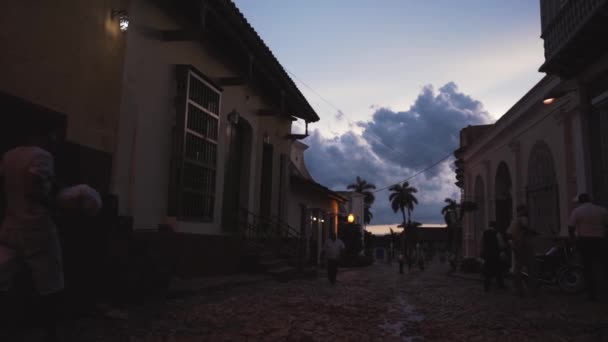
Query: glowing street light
(549, 100)
(123, 19)
(554, 96)
(351, 218)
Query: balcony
(574, 36)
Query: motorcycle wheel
(570, 279)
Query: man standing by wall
(493, 253)
(588, 224)
(522, 242)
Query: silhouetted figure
(522, 243)
(418, 256)
(28, 236)
(587, 224)
(333, 249)
(492, 252)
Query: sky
(394, 81)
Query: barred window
(199, 158)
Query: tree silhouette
(451, 212)
(363, 187)
(402, 198)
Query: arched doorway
(543, 191)
(479, 214)
(236, 173)
(503, 197)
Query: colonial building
(549, 146)
(574, 33)
(177, 108)
(313, 208)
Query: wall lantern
(351, 218)
(123, 19)
(554, 96)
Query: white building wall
(141, 172)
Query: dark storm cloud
(426, 132)
(394, 146)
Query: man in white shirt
(587, 225)
(333, 249)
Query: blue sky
(395, 63)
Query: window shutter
(195, 140)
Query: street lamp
(351, 218)
(554, 96)
(123, 19)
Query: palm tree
(363, 187)
(402, 198)
(452, 206)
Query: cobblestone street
(368, 304)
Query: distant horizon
(383, 229)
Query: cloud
(396, 145)
(427, 131)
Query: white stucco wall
(147, 116)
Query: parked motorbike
(557, 268)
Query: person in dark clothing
(492, 252)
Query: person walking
(522, 243)
(333, 249)
(492, 253)
(28, 236)
(587, 226)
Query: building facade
(549, 146)
(313, 208)
(184, 114)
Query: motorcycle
(556, 268)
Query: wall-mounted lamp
(351, 218)
(123, 19)
(554, 96)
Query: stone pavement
(457, 309)
(368, 304)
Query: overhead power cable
(376, 138)
(324, 99)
